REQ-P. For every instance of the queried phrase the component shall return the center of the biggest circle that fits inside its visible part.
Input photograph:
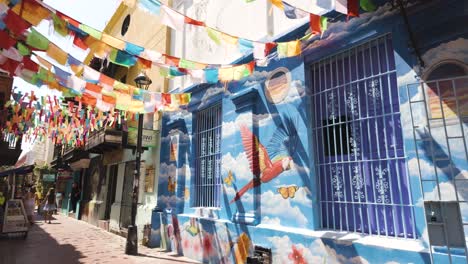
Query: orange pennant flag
(31, 11)
(57, 54)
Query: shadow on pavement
(170, 259)
(38, 247)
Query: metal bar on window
(347, 132)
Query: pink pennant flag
(259, 50)
(198, 76)
(91, 74)
(172, 18)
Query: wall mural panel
(278, 164)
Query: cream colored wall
(144, 30)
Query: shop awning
(20, 170)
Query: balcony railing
(103, 140)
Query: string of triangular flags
(96, 90)
(124, 53)
(347, 7)
(127, 54)
(70, 124)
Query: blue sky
(95, 13)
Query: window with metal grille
(364, 186)
(207, 182)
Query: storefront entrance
(126, 205)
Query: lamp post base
(131, 248)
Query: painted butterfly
(171, 185)
(192, 229)
(288, 191)
(229, 179)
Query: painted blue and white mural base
(330, 157)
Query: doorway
(127, 190)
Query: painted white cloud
(340, 30)
(427, 170)
(229, 128)
(296, 91)
(229, 191)
(316, 252)
(210, 92)
(271, 221)
(419, 116)
(169, 200)
(256, 77)
(407, 78)
(274, 205)
(282, 247)
(302, 198)
(448, 192)
(239, 166)
(166, 170)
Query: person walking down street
(2, 200)
(74, 196)
(2, 203)
(49, 207)
(58, 198)
(29, 204)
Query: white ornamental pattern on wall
(374, 89)
(332, 105)
(352, 103)
(337, 182)
(355, 141)
(381, 185)
(358, 183)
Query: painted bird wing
(256, 152)
(284, 141)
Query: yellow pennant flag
(31, 11)
(57, 54)
(294, 48)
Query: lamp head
(143, 81)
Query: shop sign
(148, 139)
(149, 179)
(48, 177)
(15, 219)
(64, 175)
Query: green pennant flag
(367, 5)
(282, 49)
(163, 72)
(183, 63)
(23, 49)
(323, 23)
(91, 31)
(60, 25)
(214, 35)
(36, 40)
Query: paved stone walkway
(69, 241)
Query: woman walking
(29, 204)
(49, 207)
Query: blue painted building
(353, 152)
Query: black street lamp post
(131, 248)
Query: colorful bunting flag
(293, 12)
(172, 19)
(347, 7)
(15, 23)
(152, 6)
(37, 40)
(31, 11)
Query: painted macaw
(260, 162)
